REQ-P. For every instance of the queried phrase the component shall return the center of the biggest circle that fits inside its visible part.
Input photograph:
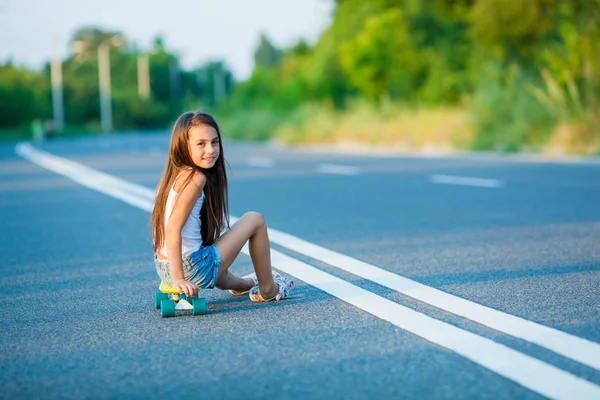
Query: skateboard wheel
(158, 297)
(198, 306)
(167, 308)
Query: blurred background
(413, 75)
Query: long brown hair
(214, 215)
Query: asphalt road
(519, 237)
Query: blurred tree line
(525, 69)
(25, 95)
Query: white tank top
(191, 238)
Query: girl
(190, 212)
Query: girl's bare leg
(251, 226)
(235, 283)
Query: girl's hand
(189, 288)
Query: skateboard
(169, 300)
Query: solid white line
(525, 370)
(573, 347)
(261, 162)
(337, 169)
(135, 195)
(465, 180)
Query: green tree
(24, 95)
(510, 29)
(85, 42)
(266, 54)
(375, 59)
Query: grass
(409, 129)
(15, 133)
(391, 125)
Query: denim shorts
(200, 267)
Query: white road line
(527, 371)
(573, 347)
(531, 373)
(261, 162)
(135, 195)
(337, 169)
(465, 180)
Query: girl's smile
(204, 146)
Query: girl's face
(204, 146)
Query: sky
(32, 31)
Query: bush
(257, 124)
(508, 116)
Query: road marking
(261, 162)
(527, 371)
(465, 180)
(567, 345)
(115, 187)
(337, 169)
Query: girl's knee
(256, 218)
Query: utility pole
(57, 94)
(143, 76)
(105, 97)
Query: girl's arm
(181, 210)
